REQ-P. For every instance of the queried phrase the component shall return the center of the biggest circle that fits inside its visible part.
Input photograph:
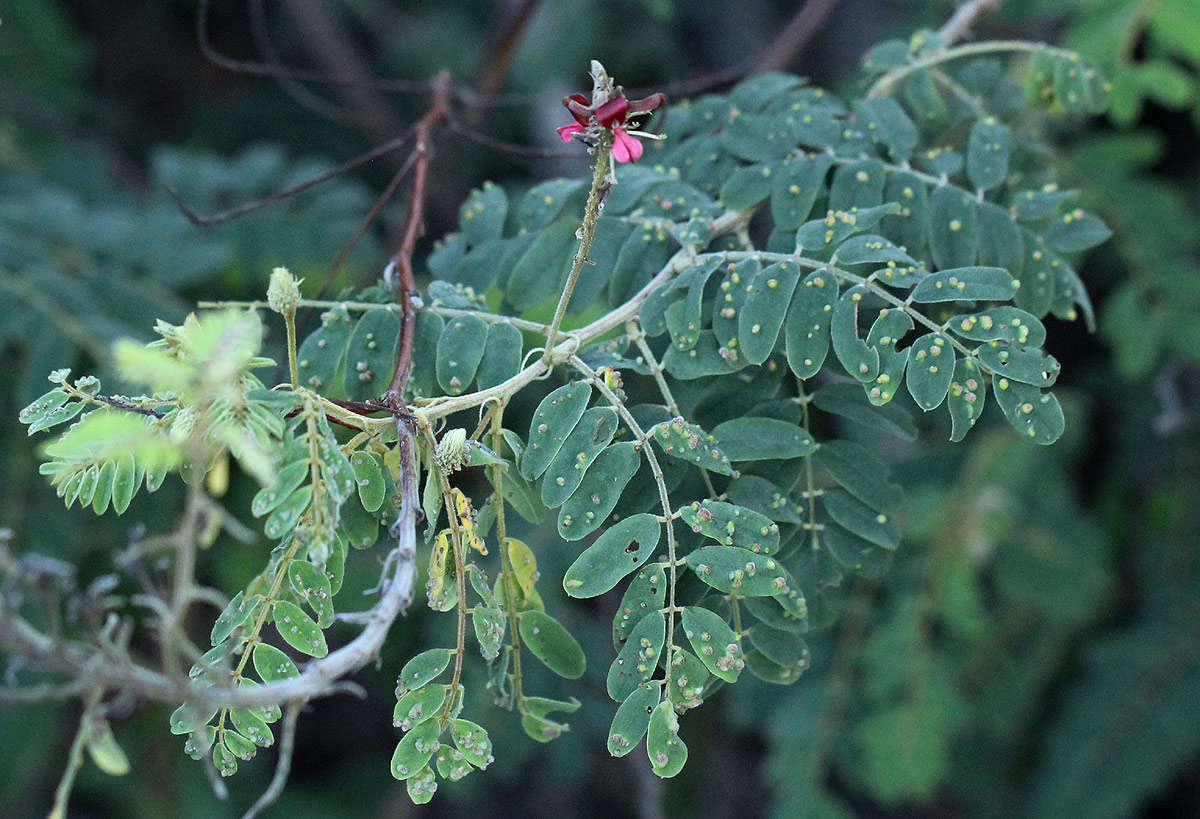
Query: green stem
(289, 320)
(62, 793)
(587, 234)
(887, 83)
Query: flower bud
(283, 295)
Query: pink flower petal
(625, 147)
(566, 131)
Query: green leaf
(124, 483)
(311, 584)
(481, 216)
(908, 228)
(714, 642)
(272, 664)
(887, 124)
(501, 355)
(632, 719)
(857, 186)
(368, 477)
(459, 352)
(323, 353)
(472, 742)
(747, 186)
(1001, 323)
(858, 471)
(232, 616)
(42, 406)
(770, 671)
(785, 648)
(869, 248)
(1029, 366)
(371, 353)
(767, 299)
(621, 549)
(544, 201)
(542, 729)
(102, 747)
(422, 669)
(418, 705)
(889, 327)
(298, 629)
(753, 438)
(666, 750)
(414, 751)
(426, 334)
(1036, 292)
(588, 508)
(683, 318)
(540, 272)
(966, 284)
(795, 186)
(421, 786)
(552, 644)
(689, 678)
(930, 370)
(187, 718)
(1034, 414)
(252, 727)
(855, 553)
(638, 658)
(806, 335)
(1036, 205)
(590, 436)
(690, 443)
(553, 421)
(820, 235)
(860, 361)
(1076, 231)
(358, 526)
(730, 569)
(646, 593)
(732, 525)
(775, 615)
(760, 495)
(953, 227)
(490, 625)
(102, 491)
(706, 359)
(988, 149)
(877, 527)
(287, 481)
(966, 399)
(1000, 242)
(849, 402)
(287, 513)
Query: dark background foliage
(1035, 651)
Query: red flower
(612, 116)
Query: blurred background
(1036, 649)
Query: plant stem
(885, 84)
(587, 234)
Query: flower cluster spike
(609, 110)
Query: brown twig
(496, 67)
(367, 220)
(795, 36)
(281, 71)
(401, 261)
(263, 201)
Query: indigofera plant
(720, 339)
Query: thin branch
(290, 86)
(958, 27)
(501, 58)
(805, 25)
(255, 204)
(267, 70)
(287, 742)
(401, 262)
